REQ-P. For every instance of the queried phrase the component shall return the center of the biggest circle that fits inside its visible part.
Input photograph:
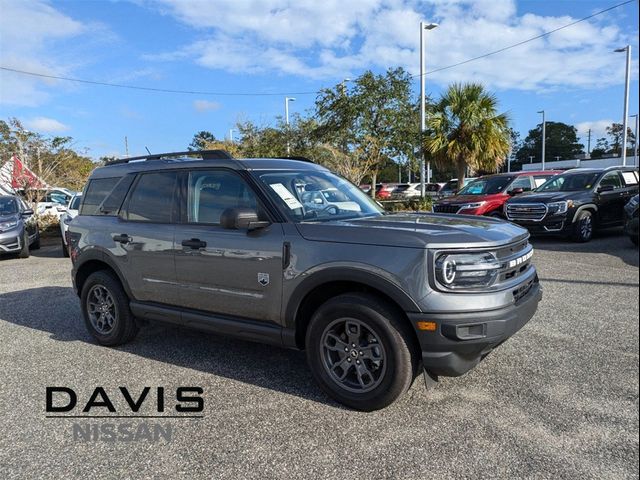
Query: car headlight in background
(470, 206)
(466, 270)
(559, 207)
(8, 225)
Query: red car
(384, 190)
(487, 195)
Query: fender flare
(104, 257)
(586, 206)
(345, 274)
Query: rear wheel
(105, 307)
(583, 227)
(361, 352)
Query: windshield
(486, 186)
(318, 196)
(8, 206)
(75, 202)
(569, 182)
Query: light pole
(544, 136)
(635, 141)
(286, 119)
(231, 135)
(423, 26)
(626, 102)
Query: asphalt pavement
(558, 400)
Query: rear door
(144, 237)
(611, 203)
(222, 271)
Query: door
(611, 202)
(223, 271)
(144, 238)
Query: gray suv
(242, 247)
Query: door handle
(194, 243)
(122, 238)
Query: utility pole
(635, 142)
(626, 103)
(126, 146)
(286, 118)
(423, 26)
(589, 144)
(544, 136)
(231, 135)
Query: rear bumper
(462, 340)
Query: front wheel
(361, 351)
(583, 227)
(24, 251)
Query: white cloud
(334, 39)
(45, 125)
(598, 129)
(205, 105)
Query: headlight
(8, 225)
(470, 206)
(466, 270)
(559, 207)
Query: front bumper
(11, 240)
(462, 340)
(559, 224)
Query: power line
(545, 34)
(258, 94)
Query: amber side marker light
(427, 326)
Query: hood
(415, 231)
(544, 197)
(9, 218)
(462, 199)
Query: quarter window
(523, 182)
(152, 199)
(211, 192)
(97, 190)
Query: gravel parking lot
(559, 400)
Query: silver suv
(240, 247)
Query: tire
(387, 363)
(115, 325)
(24, 251)
(36, 243)
(583, 227)
(65, 250)
(495, 214)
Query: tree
(614, 131)
(465, 130)
(561, 141)
(374, 119)
(200, 140)
(601, 148)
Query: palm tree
(465, 130)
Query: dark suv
(239, 247)
(576, 202)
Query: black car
(631, 219)
(576, 202)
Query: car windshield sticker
(286, 196)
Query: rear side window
(96, 191)
(611, 179)
(111, 205)
(153, 198)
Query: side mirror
(516, 191)
(27, 212)
(605, 188)
(241, 218)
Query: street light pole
(626, 102)
(544, 137)
(286, 119)
(423, 26)
(635, 141)
(231, 135)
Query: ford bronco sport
(238, 247)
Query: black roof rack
(204, 154)
(295, 157)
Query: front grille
(526, 211)
(522, 290)
(511, 261)
(446, 208)
(10, 243)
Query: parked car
(487, 195)
(433, 189)
(451, 187)
(576, 202)
(631, 219)
(18, 230)
(384, 190)
(365, 188)
(227, 245)
(70, 213)
(52, 201)
(406, 191)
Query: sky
(294, 48)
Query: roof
(201, 159)
(603, 169)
